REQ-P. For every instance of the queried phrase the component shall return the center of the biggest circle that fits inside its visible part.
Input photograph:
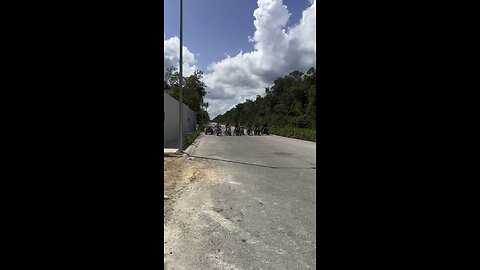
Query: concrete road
(253, 209)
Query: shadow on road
(252, 164)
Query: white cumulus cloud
(277, 52)
(171, 56)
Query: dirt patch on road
(188, 211)
(172, 172)
(178, 173)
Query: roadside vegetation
(193, 90)
(193, 96)
(308, 134)
(288, 108)
(191, 136)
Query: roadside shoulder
(194, 144)
(294, 139)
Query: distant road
(254, 210)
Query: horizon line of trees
(290, 102)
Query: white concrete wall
(170, 133)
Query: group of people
(240, 130)
(258, 130)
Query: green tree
(194, 91)
(290, 101)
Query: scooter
(237, 132)
(265, 131)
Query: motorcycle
(208, 130)
(265, 131)
(237, 132)
(218, 131)
(228, 131)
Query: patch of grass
(308, 134)
(191, 136)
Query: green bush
(302, 122)
(191, 136)
(309, 134)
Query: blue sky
(212, 28)
(216, 34)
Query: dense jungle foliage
(288, 108)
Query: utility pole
(180, 101)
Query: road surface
(253, 208)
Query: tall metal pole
(180, 103)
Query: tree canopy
(291, 101)
(193, 91)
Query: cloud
(277, 52)
(171, 50)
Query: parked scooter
(265, 131)
(228, 131)
(237, 131)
